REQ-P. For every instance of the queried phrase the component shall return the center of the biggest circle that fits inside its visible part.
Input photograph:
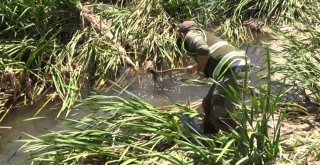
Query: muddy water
(164, 92)
(167, 90)
(16, 127)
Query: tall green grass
(129, 130)
(45, 45)
(145, 30)
(35, 18)
(49, 40)
(46, 48)
(300, 50)
(32, 34)
(233, 17)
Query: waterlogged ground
(15, 127)
(165, 92)
(300, 133)
(168, 89)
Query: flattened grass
(122, 130)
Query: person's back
(222, 50)
(221, 61)
(198, 41)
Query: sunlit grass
(32, 33)
(50, 45)
(130, 130)
(302, 54)
(127, 129)
(53, 42)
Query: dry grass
(300, 139)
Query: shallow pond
(166, 91)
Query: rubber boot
(221, 120)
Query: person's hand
(192, 69)
(201, 75)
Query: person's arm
(198, 44)
(202, 61)
(202, 58)
(192, 68)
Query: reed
(52, 44)
(128, 130)
(302, 54)
(50, 38)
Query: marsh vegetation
(58, 49)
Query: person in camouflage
(217, 59)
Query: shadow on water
(167, 90)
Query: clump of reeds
(66, 46)
(236, 19)
(144, 29)
(300, 50)
(129, 130)
(46, 42)
(34, 34)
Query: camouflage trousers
(220, 100)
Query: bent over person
(221, 61)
